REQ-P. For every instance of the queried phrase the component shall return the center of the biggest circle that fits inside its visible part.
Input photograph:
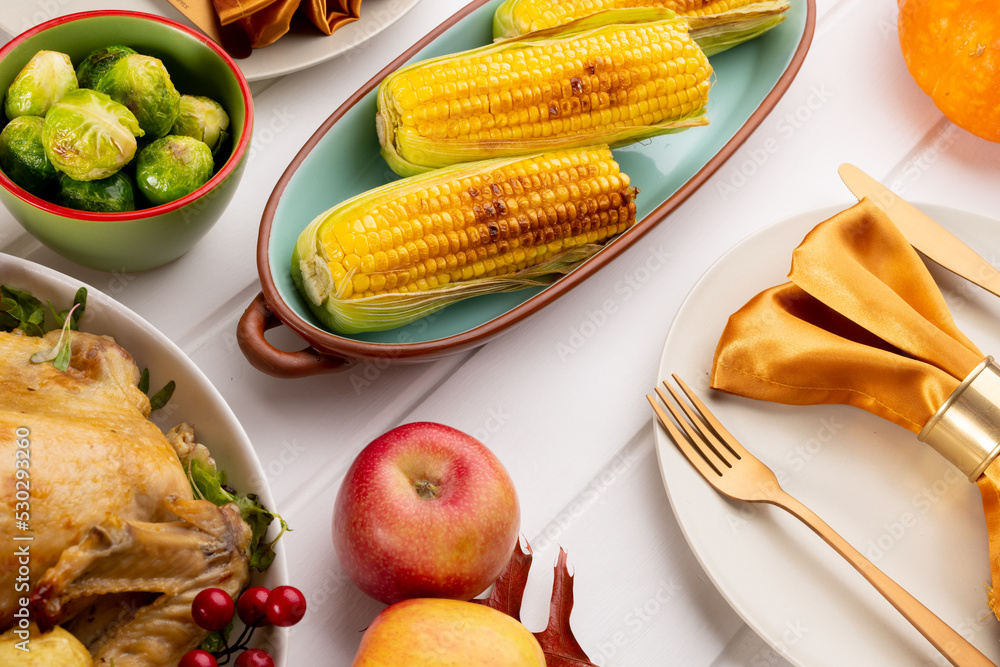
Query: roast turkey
(118, 547)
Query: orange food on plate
(952, 50)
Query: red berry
(198, 658)
(251, 606)
(212, 609)
(286, 605)
(255, 657)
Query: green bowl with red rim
(150, 237)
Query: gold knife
(930, 238)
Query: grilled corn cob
(408, 248)
(611, 85)
(519, 17)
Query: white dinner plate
(891, 496)
(194, 401)
(296, 50)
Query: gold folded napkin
(860, 323)
(327, 19)
(232, 10)
(265, 21)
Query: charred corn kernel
(492, 225)
(520, 17)
(534, 95)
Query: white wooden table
(561, 403)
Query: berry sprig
(213, 609)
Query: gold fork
(736, 473)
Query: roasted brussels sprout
(99, 61)
(143, 84)
(88, 136)
(171, 167)
(47, 77)
(105, 195)
(22, 154)
(204, 119)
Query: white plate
(294, 51)
(892, 497)
(194, 401)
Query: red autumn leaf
(508, 591)
(558, 643)
(557, 640)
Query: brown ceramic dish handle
(263, 356)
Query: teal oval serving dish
(750, 79)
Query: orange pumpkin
(952, 50)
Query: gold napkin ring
(966, 429)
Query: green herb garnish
(209, 483)
(217, 641)
(160, 398)
(20, 310)
(62, 352)
(74, 313)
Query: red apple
(425, 511)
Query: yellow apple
(438, 632)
